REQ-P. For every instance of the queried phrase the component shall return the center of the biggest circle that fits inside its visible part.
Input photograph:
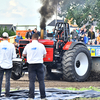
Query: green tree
(66, 5)
(82, 11)
(10, 32)
(1, 31)
(96, 15)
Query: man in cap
(7, 53)
(18, 37)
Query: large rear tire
(76, 64)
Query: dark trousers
(36, 69)
(7, 84)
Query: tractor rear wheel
(76, 64)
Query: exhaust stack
(43, 34)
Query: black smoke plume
(47, 11)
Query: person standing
(18, 37)
(7, 53)
(28, 34)
(91, 36)
(74, 35)
(34, 31)
(98, 39)
(35, 53)
(97, 33)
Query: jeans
(36, 69)
(7, 84)
(74, 40)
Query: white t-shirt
(35, 52)
(7, 53)
(96, 34)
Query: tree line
(10, 32)
(82, 11)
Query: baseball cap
(5, 35)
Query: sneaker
(7, 95)
(44, 99)
(30, 99)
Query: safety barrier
(11, 39)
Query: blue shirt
(85, 39)
(18, 38)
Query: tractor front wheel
(76, 64)
(17, 70)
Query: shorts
(92, 40)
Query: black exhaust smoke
(47, 11)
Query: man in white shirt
(97, 33)
(35, 53)
(7, 53)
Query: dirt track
(24, 83)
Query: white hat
(5, 35)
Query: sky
(20, 12)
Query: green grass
(3, 90)
(82, 89)
(87, 98)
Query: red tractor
(70, 60)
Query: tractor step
(56, 71)
(57, 56)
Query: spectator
(47, 31)
(96, 35)
(85, 31)
(98, 39)
(91, 36)
(28, 34)
(82, 34)
(16, 49)
(85, 38)
(74, 35)
(78, 30)
(82, 30)
(18, 37)
(7, 53)
(35, 52)
(93, 28)
(79, 34)
(53, 30)
(47, 34)
(34, 31)
(84, 26)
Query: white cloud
(12, 2)
(21, 12)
